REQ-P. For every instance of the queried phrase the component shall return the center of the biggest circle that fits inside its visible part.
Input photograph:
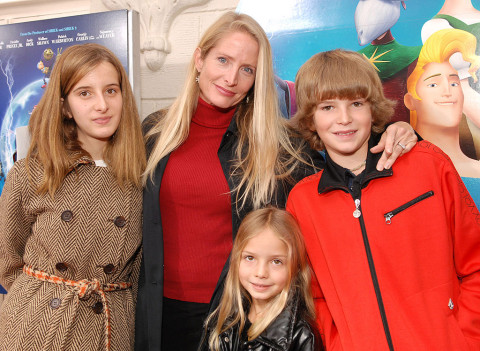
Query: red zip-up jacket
(402, 273)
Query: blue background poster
(24, 45)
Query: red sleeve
(465, 229)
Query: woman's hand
(397, 140)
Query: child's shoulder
(427, 149)
(307, 182)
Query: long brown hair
(232, 307)
(54, 140)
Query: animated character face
(48, 54)
(441, 96)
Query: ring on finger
(401, 145)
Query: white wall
(158, 89)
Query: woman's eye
(358, 104)
(277, 262)
(327, 108)
(455, 84)
(111, 91)
(432, 85)
(222, 60)
(249, 258)
(84, 93)
(248, 70)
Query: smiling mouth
(446, 103)
(347, 133)
(260, 287)
(224, 91)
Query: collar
(334, 176)
(212, 117)
(279, 334)
(78, 161)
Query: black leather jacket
(288, 332)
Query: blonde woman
(267, 302)
(220, 151)
(70, 213)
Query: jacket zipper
(357, 213)
(389, 215)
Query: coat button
(55, 303)
(67, 216)
(109, 268)
(61, 267)
(227, 339)
(98, 307)
(119, 221)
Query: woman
(70, 213)
(228, 153)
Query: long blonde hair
(54, 140)
(438, 48)
(232, 309)
(264, 143)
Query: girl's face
(263, 270)
(95, 103)
(228, 71)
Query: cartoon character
(46, 63)
(392, 60)
(461, 14)
(436, 99)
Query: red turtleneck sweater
(196, 209)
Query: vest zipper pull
(357, 212)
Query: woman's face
(228, 71)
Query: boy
(396, 253)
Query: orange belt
(83, 288)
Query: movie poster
(391, 35)
(27, 55)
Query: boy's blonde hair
(338, 74)
(235, 299)
(54, 141)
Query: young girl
(70, 213)
(396, 252)
(266, 303)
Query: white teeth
(345, 133)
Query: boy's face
(344, 127)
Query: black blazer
(148, 322)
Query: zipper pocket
(389, 215)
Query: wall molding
(156, 18)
